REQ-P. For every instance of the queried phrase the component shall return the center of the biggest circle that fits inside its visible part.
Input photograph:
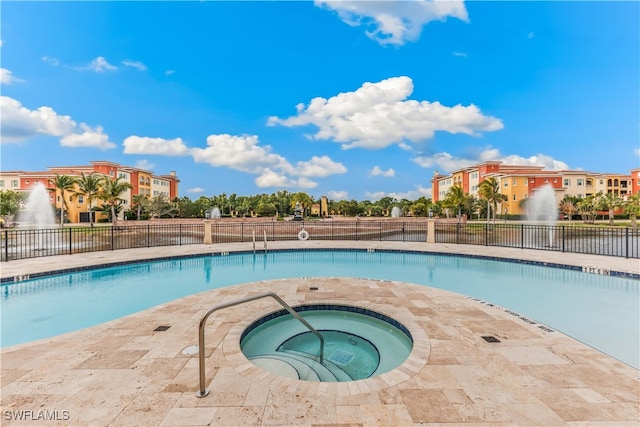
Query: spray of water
(543, 208)
(37, 212)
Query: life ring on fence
(303, 235)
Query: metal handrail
(202, 392)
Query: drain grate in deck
(490, 338)
(161, 328)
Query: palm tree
(632, 208)
(140, 201)
(64, 183)
(89, 186)
(609, 202)
(456, 199)
(489, 190)
(110, 194)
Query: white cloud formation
(100, 65)
(7, 77)
(376, 171)
(419, 191)
(460, 54)
(636, 151)
(338, 195)
(95, 138)
(448, 163)
(163, 147)
(394, 22)
(134, 64)
(18, 124)
(244, 153)
(144, 164)
(195, 190)
(169, 72)
(378, 115)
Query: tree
(568, 206)
(609, 202)
(64, 183)
(588, 209)
(89, 186)
(110, 193)
(160, 206)
(305, 200)
(141, 204)
(632, 208)
(489, 190)
(456, 199)
(9, 204)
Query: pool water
(357, 345)
(602, 311)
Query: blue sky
(349, 99)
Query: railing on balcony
(30, 243)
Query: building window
(514, 197)
(601, 181)
(526, 183)
(546, 181)
(566, 182)
(14, 183)
(579, 182)
(27, 181)
(112, 173)
(80, 199)
(1, 183)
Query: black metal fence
(31, 243)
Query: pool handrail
(202, 392)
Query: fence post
(626, 242)
(70, 242)
(486, 234)
(6, 245)
(148, 235)
(521, 236)
(112, 247)
(563, 238)
(180, 234)
(357, 228)
(242, 232)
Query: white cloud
(244, 153)
(134, 64)
(636, 151)
(419, 191)
(394, 22)
(460, 54)
(163, 147)
(448, 163)
(144, 164)
(7, 77)
(319, 167)
(100, 65)
(95, 138)
(376, 171)
(1, 43)
(19, 123)
(378, 115)
(169, 72)
(51, 61)
(195, 190)
(338, 195)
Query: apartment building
(142, 182)
(521, 182)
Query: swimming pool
(601, 311)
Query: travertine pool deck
(123, 373)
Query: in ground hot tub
(359, 343)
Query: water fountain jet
(38, 212)
(543, 207)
